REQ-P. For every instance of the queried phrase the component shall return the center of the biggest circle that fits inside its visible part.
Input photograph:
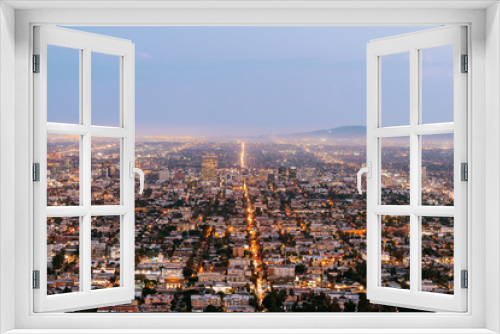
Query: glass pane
(105, 90)
(63, 85)
(437, 170)
(437, 254)
(63, 170)
(63, 255)
(105, 171)
(105, 252)
(395, 177)
(395, 256)
(395, 89)
(437, 84)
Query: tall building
(209, 168)
(292, 173)
(106, 170)
(270, 176)
(282, 174)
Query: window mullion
(414, 170)
(86, 176)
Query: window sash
(412, 43)
(86, 43)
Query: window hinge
(464, 171)
(464, 279)
(36, 63)
(36, 172)
(36, 279)
(465, 64)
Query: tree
(187, 272)
(364, 305)
(350, 306)
(273, 301)
(140, 277)
(147, 291)
(300, 269)
(211, 308)
(335, 306)
(254, 302)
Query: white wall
(7, 160)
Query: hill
(341, 132)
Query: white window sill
(250, 331)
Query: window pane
(105, 252)
(395, 89)
(437, 254)
(437, 84)
(63, 170)
(105, 171)
(437, 170)
(395, 255)
(63, 255)
(63, 85)
(105, 90)
(395, 162)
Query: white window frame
(86, 44)
(484, 50)
(413, 43)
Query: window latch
(368, 171)
(132, 171)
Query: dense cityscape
(249, 226)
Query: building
(201, 301)
(209, 168)
(282, 174)
(270, 177)
(292, 174)
(159, 299)
(236, 300)
(307, 174)
(281, 270)
(164, 175)
(106, 170)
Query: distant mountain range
(341, 132)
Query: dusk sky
(205, 81)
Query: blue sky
(204, 81)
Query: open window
(90, 218)
(416, 211)
(416, 204)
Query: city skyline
(249, 226)
(250, 139)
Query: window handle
(368, 171)
(133, 170)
